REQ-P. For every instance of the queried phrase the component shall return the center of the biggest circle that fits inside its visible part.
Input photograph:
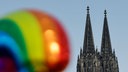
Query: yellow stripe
(32, 33)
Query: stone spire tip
(88, 9)
(105, 12)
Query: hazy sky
(72, 14)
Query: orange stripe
(58, 41)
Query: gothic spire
(106, 42)
(88, 46)
(81, 52)
(78, 58)
(114, 55)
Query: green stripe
(14, 31)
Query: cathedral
(90, 59)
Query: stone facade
(90, 60)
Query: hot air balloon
(31, 41)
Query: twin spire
(88, 46)
(90, 59)
(106, 41)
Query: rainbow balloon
(33, 41)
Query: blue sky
(72, 14)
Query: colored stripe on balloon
(6, 40)
(31, 32)
(56, 41)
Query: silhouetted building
(90, 60)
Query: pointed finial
(81, 52)
(113, 51)
(87, 9)
(105, 12)
(78, 57)
(96, 48)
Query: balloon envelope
(40, 40)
